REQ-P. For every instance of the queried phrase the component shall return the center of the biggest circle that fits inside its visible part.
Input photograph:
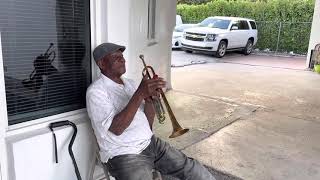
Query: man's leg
(171, 161)
(131, 167)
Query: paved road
(181, 58)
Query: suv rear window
(253, 25)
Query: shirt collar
(110, 82)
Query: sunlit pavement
(247, 121)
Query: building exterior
(46, 55)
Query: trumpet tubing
(160, 113)
(177, 130)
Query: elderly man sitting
(122, 115)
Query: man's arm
(122, 120)
(147, 88)
(149, 111)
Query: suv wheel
(249, 47)
(222, 49)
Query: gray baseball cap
(105, 49)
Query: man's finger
(145, 77)
(157, 86)
(153, 87)
(156, 95)
(159, 80)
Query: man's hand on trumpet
(151, 87)
(149, 90)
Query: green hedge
(293, 15)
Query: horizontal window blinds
(46, 56)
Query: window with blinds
(46, 56)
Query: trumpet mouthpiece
(141, 56)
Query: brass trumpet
(177, 130)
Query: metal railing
(284, 37)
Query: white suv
(219, 34)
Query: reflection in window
(46, 54)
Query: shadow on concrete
(221, 175)
(216, 173)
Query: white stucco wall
(128, 25)
(315, 30)
(31, 153)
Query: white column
(99, 28)
(315, 35)
(128, 25)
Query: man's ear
(99, 63)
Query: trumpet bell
(178, 132)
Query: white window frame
(33, 126)
(4, 122)
(3, 119)
(0, 173)
(19, 130)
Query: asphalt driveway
(181, 59)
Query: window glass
(253, 25)
(182, 27)
(243, 25)
(215, 23)
(236, 23)
(46, 56)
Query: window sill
(41, 125)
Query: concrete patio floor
(248, 122)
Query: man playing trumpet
(122, 115)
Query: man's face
(114, 63)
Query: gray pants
(161, 156)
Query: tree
(192, 1)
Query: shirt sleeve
(100, 110)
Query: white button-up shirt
(105, 99)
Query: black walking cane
(66, 123)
